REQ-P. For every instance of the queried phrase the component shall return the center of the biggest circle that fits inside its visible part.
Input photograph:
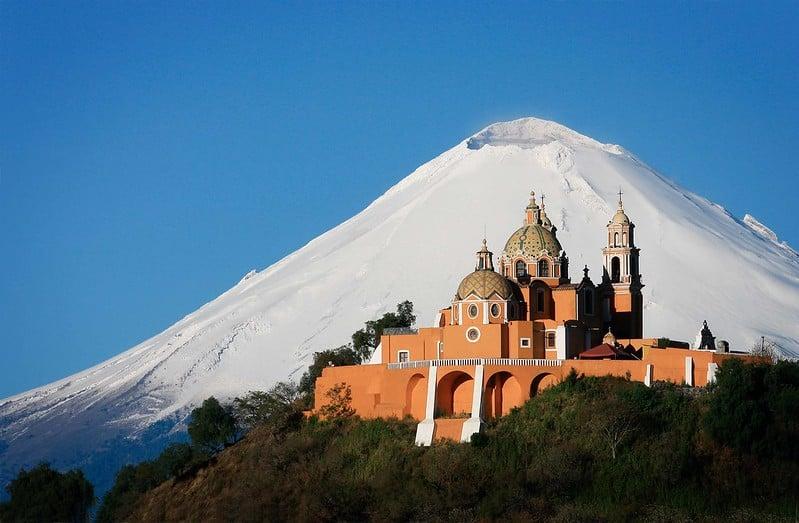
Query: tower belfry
(620, 256)
(621, 278)
(485, 258)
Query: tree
(212, 427)
(366, 340)
(766, 349)
(617, 424)
(44, 494)
(339, 402)
(280, 408)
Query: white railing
(511, 362)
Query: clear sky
(153, 153)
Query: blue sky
(152, 153)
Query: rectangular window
(524, 343)
(550, 340)
(402, 356)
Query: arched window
(589, 301)
(543, 269)
(615, 239)
(615, 270)
(521, 269)
(624, 239)
(540, 297)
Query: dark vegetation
(279, 411)
(587, 449)
(44, 494)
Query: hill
(586, 449)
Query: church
(515, 327)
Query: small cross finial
(585, 271)
(620, 193)
(542, 200)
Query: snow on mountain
(416, 242)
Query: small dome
(530, 240)
(483, 284)
(609, 339)
(620, 217)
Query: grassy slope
(550, 459)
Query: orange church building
(516, 328)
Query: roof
(605, 351)
(531, 240)
(620, 217)
(483, 284)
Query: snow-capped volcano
(416, 242)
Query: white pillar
(689, 371)
(475, 422)
(712, 370)
(648, 375)
(485, 313)
(426, 428)
(560, 341)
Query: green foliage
(44, 494)
(339, 402)
(134, 480)
(366, 340)
(280, 408)
(212, 426)
(551, 459)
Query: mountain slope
(416, 242)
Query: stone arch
(454, 394)
(416, 397)
(503, 393)
(542, 382)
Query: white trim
(485, 313)
(460, 313)
(478, 334)
(689, 371)
(426, 428)
(474, 424)
(522, 345)
(406, 352)
(712, 370)
(560, 341)
(460, 362)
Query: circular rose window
(473, 311)
(473, 334)
(495, 310)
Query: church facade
(514, 327)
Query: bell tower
(621, 280)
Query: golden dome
(530, 240)
(484, 284)
(620, 217)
